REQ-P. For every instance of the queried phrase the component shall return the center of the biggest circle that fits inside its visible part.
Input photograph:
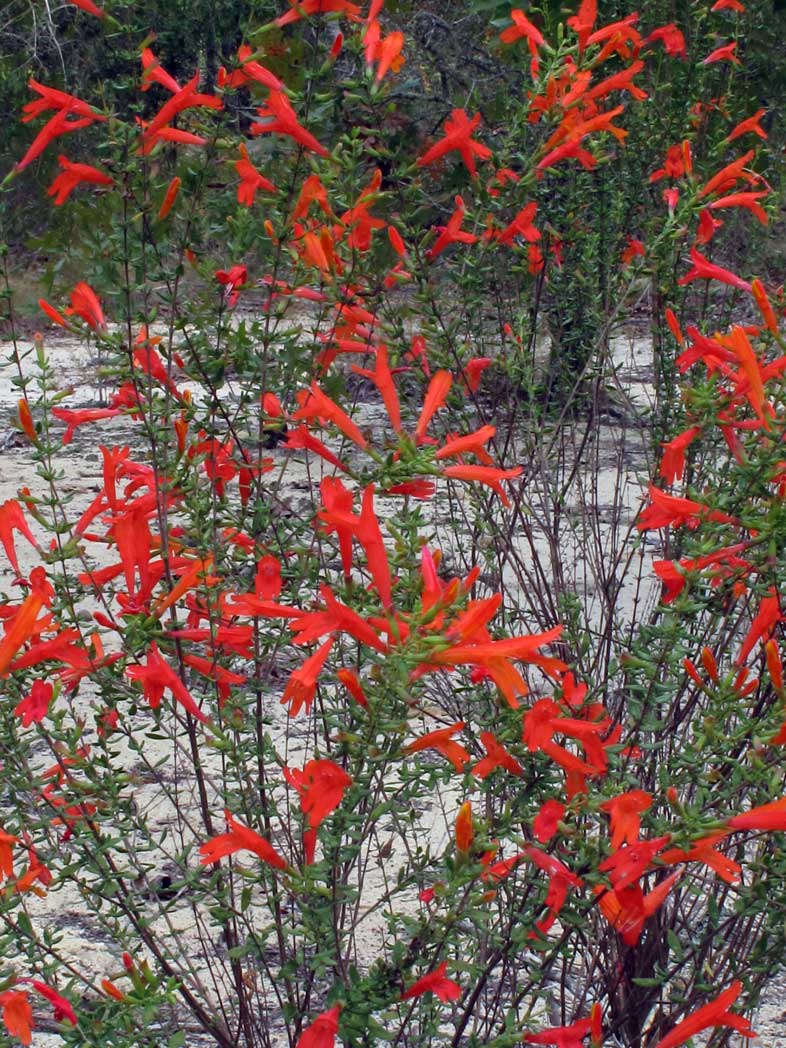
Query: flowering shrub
(289, 710)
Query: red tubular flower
(465, 833)
(729, 175)
(154, 73)
(58, 125)
(170, 134)
(239, 838)
(156, 676)
(308, 8)
(232, 279)
(36, 871)
(186, 98)
(568, 150)
(671, 38)
(436, 395)
(322, 1032)
(7, 842)
(386, 51)
(764, 622)
(727, 53)
(302, 438)
(317, 405)
(625, 814)
(17, 1015)
(26, 420)
(85, 304)
(62, 1007)
(633, 249)
(496, 757)
(302, 684)
(351, 682)
(250, 71)
(522, 28)
(627, 909)
(749, 126)
(250, 180)
(21, 627)
(281, 119)
(473, 372)
(169, 198)
(56, 100)
(451, 233)
(544, 825)
(80, 416)
(766, 817)
(321, 785)
(671, 510)
(672, 465)
(13, 519)
(765, 306)
(704, 850)
(382, 377)
(435, 982)
(561, 880)
(774, 664)
(71, 176)
(488, 475)
(88, 7)
(583, 22)
(35, 706)
(458, 129)
(562, 1036)
(703, 269)
(442, 741)
(716, 1013)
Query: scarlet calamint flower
(250, 71)
(570, 1036)
(169, 198)
(442, 740)
(154, 73)
(85, 304)
(7, 842)
(544, 825)
(34, 707)
(458, 131)
(322, 1032)
(716, 1013)
(186, 98)
(239, 838)
(766, 817)
(451, 233)
(464, 831)
(302, 684)
(496, 757)
(321, 785)
(250, 180)
(435, 982)
(17, 1015)
(280, 118)
(13, 519)
(62, 1007)
(71, 176)
(750, 125)
(625, 814)
(156, 676)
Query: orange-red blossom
(239, 838)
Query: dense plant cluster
(303, 706)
